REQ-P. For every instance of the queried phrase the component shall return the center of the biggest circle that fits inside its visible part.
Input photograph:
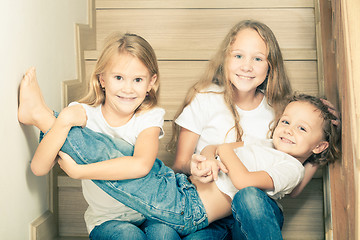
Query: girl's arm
(46, 152)
(310, 170)
(203, 167)
(185, 149)
(238, 173)
(127, 167)
(207, 165)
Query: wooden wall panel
(339, 28)
(197, 33)
(72, 207)
(303, 214)
(109, 4)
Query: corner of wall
(85, 40)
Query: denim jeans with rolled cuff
(161, 195)
(257, 216)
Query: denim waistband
(195, 217)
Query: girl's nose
(127, 86)
(246, 65)
(288, 130)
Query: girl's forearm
(45, 154)
(310, 170)
(122, 168)
(209, 151)
(231, 160)
(238, 173)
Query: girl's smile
(299, 131)
(244, 77)
(247, 66)
(286, 140)
(126, 82)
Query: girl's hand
(205, 170)
(333, 111)
(74, 116)
(69, 165)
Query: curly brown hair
(331, 131)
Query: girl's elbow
(294, 193)
(143, 170)
(240, 185)
(37, 170)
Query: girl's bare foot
(32, 107)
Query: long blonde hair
(116, 44)
(276, 86)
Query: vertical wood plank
(336, 88)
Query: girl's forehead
(304, 111)
(249, 38)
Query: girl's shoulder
(155, 111)
(153, 116)
(90, 110)
(213, 89)
(211, 94)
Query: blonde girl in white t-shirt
(121, 102)
(243, 89)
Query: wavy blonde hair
(117, 44)
(276, 86)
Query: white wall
(33, 33)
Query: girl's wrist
(63, 122)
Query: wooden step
(303, 215)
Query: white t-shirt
(102, 207)
(286, 171)
(208, 116)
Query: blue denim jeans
(114, 230)
(218, 230)
(159, 231)
(162, 196)
(257, 215)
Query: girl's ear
(152, 82)
(320, 147)
(101, 80)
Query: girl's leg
(159, 231)
(32, 107)
(257, 215)
(218, 230)
(114, 229)
(161, 195)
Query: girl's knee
(248, 195)
(114, 229)
(249, 200)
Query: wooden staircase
(185, 34)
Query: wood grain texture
(108, 4)
(196, 33)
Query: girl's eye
(257, 59)
(118, 77)
(285, 122)
(238, 56)
(302, 129)
(137, 80)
